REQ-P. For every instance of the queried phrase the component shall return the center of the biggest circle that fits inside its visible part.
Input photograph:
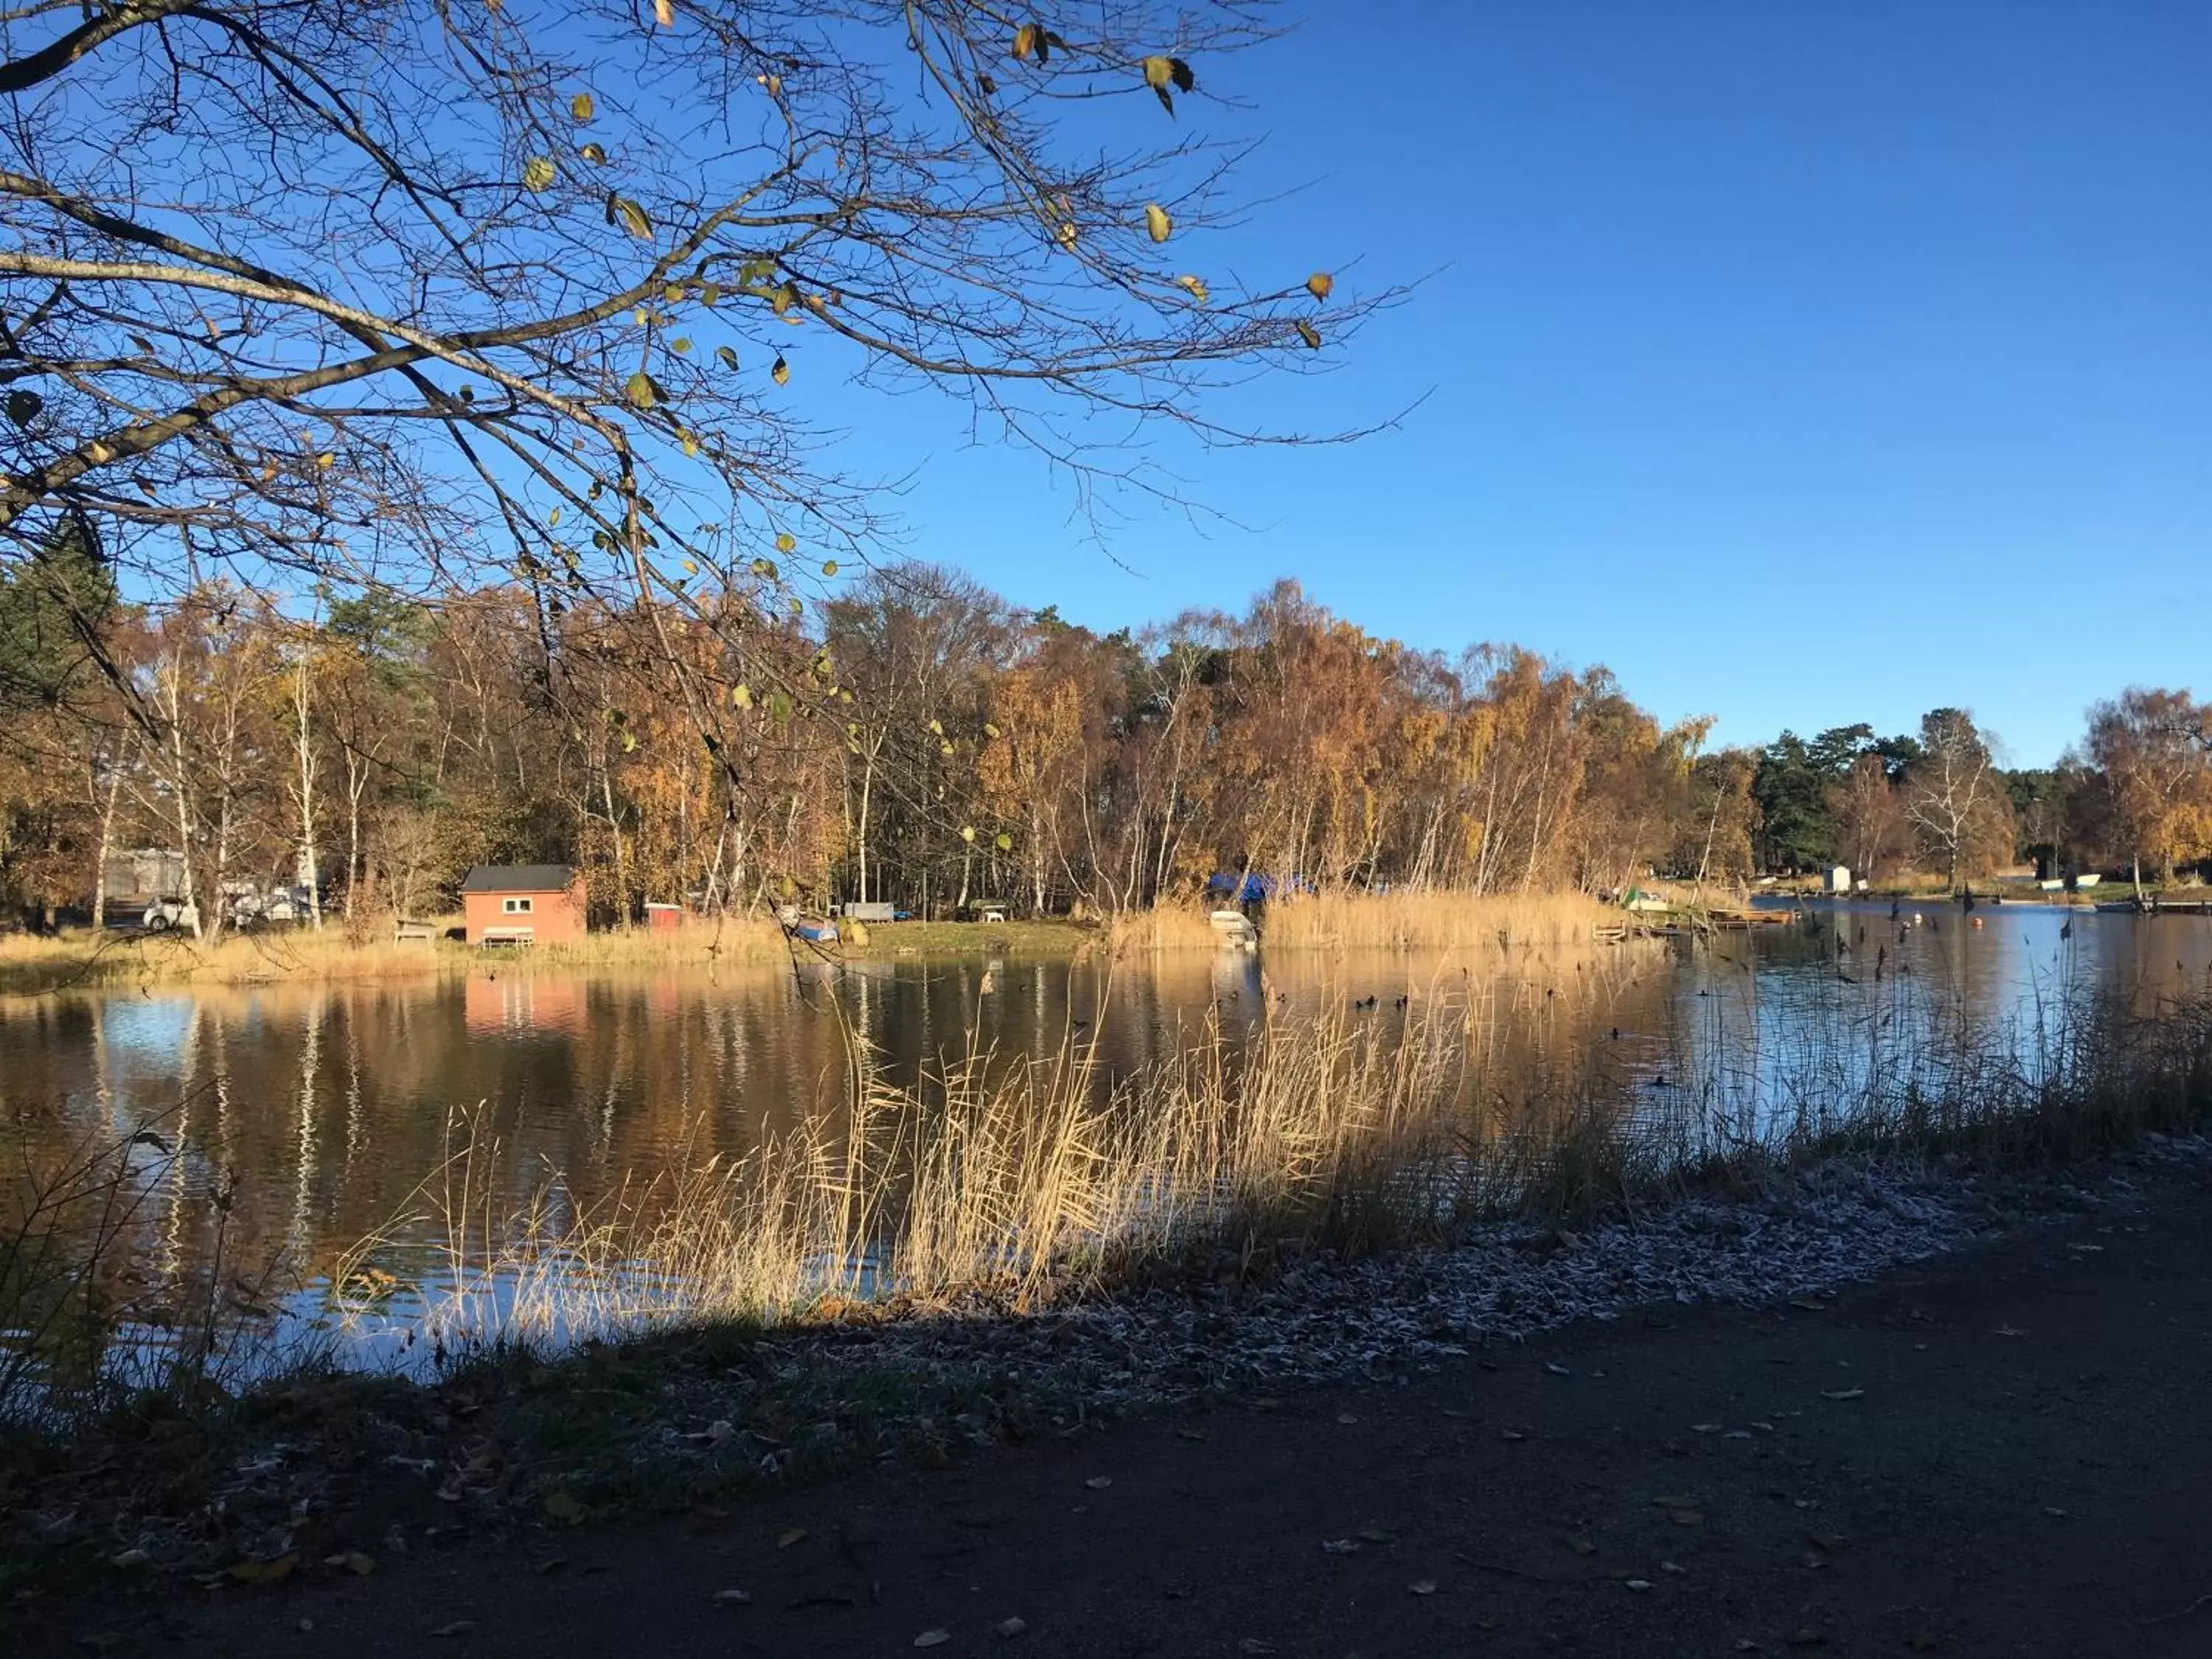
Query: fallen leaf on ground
(1346, 1417)
(734, 1598)
(458, 1627)
(1010, 1628)
(1580, 1545)
(1557, 1369)
(1808, 1637)
(1423, 1587)
(1924, 1641)
(930, 1638)
(2009, 1330)
(1374, 1535)
(564, 1506)
(1099, 1482)
(1340, 1547)
(353, 1561)
(1639, 1585)
(1704, 1428)
(1254, 1644)
(789, 1537)
(263, 1572)
(1686, 1517)
(1511, 1434)
(1830, 1542)
(1191, 1434)
(1843, 1394)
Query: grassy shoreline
(586, 1345)
(79, 958)
(1935, 890)
(259, 1485)
(1404, 921)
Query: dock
(1689, 924)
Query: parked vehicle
(249, 904)
(169, 915)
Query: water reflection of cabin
(512, 1005)
(523, 903)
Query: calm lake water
(319, 1109)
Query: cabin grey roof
(519, 879)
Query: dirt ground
(2005, 1451)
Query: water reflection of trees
(321, 1108)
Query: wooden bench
(406, 931)
(516, 936)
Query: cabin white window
(516, 906)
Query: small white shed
(1839, 879)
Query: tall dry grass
(1015, 1179)
(84, 1324)
(1410, 920)
(84, 957)
(1166, 926)
(1010, 1181)
(1018, 1183)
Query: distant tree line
(918, 740)
(2135, 796)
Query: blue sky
(1802, 363)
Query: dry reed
(1019, 1179)
(1418, 920)
(1013, 1182)
(1164, 928)
(1021, 1182)
(76, 957)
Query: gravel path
(1892, 1416)
(1812, 1233)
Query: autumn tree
(211, 752)
(1870, 826)
(395, 294)
(1030, 768)
(913, 644)
(1953, 798)
(2152, 748)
